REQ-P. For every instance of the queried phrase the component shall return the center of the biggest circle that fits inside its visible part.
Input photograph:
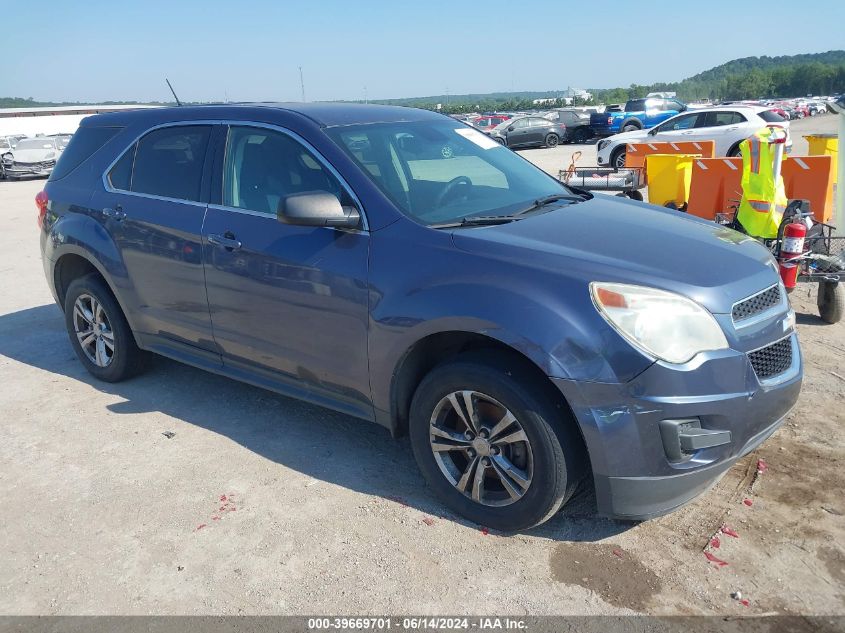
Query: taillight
(610, 120)
(41, 201)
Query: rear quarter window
(771, 117)
(83, 144)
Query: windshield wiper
(539, 203)
(478, 220)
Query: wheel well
(734, 148)
(631, 121)
(68, 268)
(436, 349)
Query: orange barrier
(636, 153)
(811, 178)
(715, 187)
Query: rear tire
(831, 301)
(630, 126)
(546, 464)
(98, 331)
(735, 152)
(552, 140)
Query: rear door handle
(227, 241)
(115, 214)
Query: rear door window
(719, 119)
(82, 146)
(169, 162)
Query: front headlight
(662, 324)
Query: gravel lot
(261, 504)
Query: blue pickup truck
(639, 114)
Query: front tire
(617, 159)
(552, 140)
(495, 448)
(581, 136)
(98, 331)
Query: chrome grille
(762, 301)
(773, 359)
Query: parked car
(577, 124)
(638, 114)
(525, 335)
(727, 126)
(529, 131)
(32, 157)
(5, 154)
(487, 122)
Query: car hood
(33, 155)
(617, 240)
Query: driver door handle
(226, 241)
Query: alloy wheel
(93, 330)
(481, 448)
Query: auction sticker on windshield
(484, 142)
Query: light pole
(839, 213)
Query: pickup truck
(638, 114)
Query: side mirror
(317, 208)
(510, 128)
(652, 131)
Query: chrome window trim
(107, 184)
(778, 308)
(241, 123)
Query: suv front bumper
(634, 476)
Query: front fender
(547, 317)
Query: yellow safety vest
(763, 200)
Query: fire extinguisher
(792, 247)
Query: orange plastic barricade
(811, 178)
(636, 153)
(716, 186)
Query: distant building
(52, 119)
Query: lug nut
(471, 453)
(469, 435)
(483, 433)
(485, 461)
(495, 450)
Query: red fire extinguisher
(792, 247)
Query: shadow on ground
(317, 442)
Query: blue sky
(93, 50)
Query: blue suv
(404, 268)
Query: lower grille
(773, 359)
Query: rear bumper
(633, 475)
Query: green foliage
(747, 78)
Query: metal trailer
(627, 181)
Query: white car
(728, 126)
(32, 157)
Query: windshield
(36, 143)
(440, 172)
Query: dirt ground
(260, 504)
